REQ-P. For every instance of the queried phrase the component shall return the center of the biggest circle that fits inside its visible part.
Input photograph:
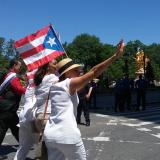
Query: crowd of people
(50, 105)
(123, 94)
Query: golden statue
(140, 61)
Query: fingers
(121, 44)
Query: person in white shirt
(61, 134)
(34, 104)
(26, 137)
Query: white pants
(26, 140)
(66, 151)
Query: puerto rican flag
(39, 48)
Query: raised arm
(79, 82)
(101, 67)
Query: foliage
(149, 75)
(10, 52)
(3, 59)
(7, 52)
(86, 49)
(89, 51)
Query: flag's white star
(51, 41)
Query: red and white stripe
(32, 51)
(30, 77)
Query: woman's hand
(120, 48)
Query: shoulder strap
(46, 106)
(45, 111)
(7, 81)
(44, 115)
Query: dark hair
(62, 77)
(40, 74)
(13, 62)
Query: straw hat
(66, 65)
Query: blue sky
(110, 20)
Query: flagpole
(59, 40)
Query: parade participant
(140, 86)
(10, 93)
(43, 79)
(26, 137)
(118, 95)
(84, 96)
(61, 131)
(94, 84)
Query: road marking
(137, 124)
(8, 134)
(141, 117)
(101, 115)
(144, 129)
(157, 127)
(4, 143)
(101, 134)
(136, 142)
(99, 139)
(156, 135)
(107, 139)
(111, 123)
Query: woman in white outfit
(26, 137)
(34, 97)
(44, 78)
(61, 134)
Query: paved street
(114, 136)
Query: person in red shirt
(11, 90)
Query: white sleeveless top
(62, 125)
(42, 92)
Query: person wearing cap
(35, 99)
(61, 132)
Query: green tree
(10, 52)
(149, 75)
(89, 51)
(86, 49)
(3, 59)
(133, 46)
(153, 53)
(2, 42)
